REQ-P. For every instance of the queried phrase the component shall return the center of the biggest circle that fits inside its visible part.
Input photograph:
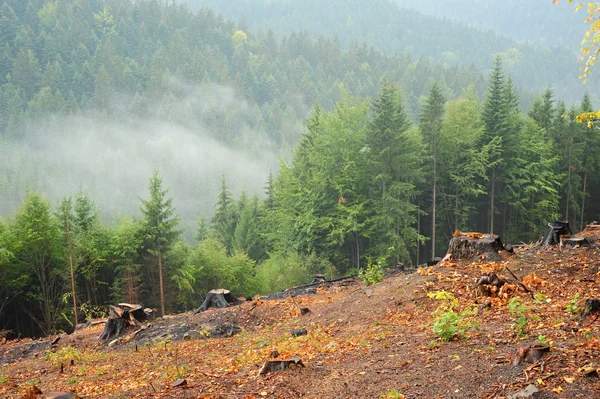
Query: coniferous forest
(150, 152)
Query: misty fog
(113, 161)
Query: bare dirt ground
(362, 342)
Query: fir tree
(159, 227)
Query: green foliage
(37, 253)
(159, 228)
(518, 309)
(573, 307)
(63, 356)
(373, 274)
(208, 266)
(284, 270)
(93, 312)
(450, 324)
(542, 339)
(391, 394)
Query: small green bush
(573, 305)
(517, 307)
(373, 274)
(450, 324)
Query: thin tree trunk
(456, 210)
(418, 230)
(492, 194)
(583, 200)
(568, 194)
(73, 290)
(433, 211)
(130, 297)
(162, 292)
(357, 251)
(568, 183)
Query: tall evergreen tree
(431, 119)
(159, 227)
(393, 155)
(223, 221)
(65, 220)
(589, 158)
(495, 119)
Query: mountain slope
(391, 28)
(537, 21)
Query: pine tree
(589, 158)
(543, 110)
(202, 230)
(431, 120)
(393, 157)
(495, 118)
(65, 220)
(159, 227)
(223, 221)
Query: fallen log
(308, 289)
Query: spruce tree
(159, 227)
(223, 221)
(495, 118)
(64, 216)
(392, 156)
(431, 120)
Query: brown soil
(362, 342)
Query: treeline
(364, 187)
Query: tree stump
(120, 317)
(572, 242)
(487, 247)
(557, 229)
(219, 298)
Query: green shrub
(63, 356)
(450, 324)
(517, 307)
(283, 270)
(573, 305)
(373, 274)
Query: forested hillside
(129, 131)
(537, 21)
(387, 26)
(134, 85)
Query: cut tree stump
(572, 242)
(485, 248)
(120, 317)
(558, 229)
(592, 305)
(219, 298)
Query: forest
(139, 144)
